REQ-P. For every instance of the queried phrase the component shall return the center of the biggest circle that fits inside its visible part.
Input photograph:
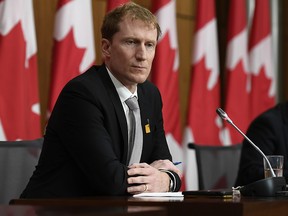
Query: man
(269, 131)
(85, 150)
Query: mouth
(139, 67)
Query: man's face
(130, 54)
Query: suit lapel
(144, 110)
(118, 109)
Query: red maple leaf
(260, 99)
(67, 58)
(237, 101)
(167, 81)
(18, 88)
(202, 105)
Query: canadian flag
(203, 125)
(111, 4)
(260, 60)
(165, 74)
(73, 50)
(19, 93)
(238, 87)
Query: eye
(150, 45)
(130, 42)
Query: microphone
(264, 187)
(225, 117)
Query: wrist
(172, 181)
(171, 185)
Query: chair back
(217, 166)
(17, 163)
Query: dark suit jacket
(85, 147)
(269, 132)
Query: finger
(137, 180)
(139, 171)
(138, 189)
(163, 164)
(138, 165)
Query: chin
(142, 79)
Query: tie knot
(132, 103)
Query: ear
(105, 47)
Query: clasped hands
(145, 177)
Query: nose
(141, 52)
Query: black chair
(217, 165)
(17, 163)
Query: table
(57, 210)
(194, 206)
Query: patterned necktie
(135, 140)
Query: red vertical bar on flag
(260, 60)
(238, 78)
(203, 125)
(165, 74)
(73, 50)
(111, 4)
(19, 93)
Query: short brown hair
(111, 21)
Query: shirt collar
(122, 91)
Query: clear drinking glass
(276, 162)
